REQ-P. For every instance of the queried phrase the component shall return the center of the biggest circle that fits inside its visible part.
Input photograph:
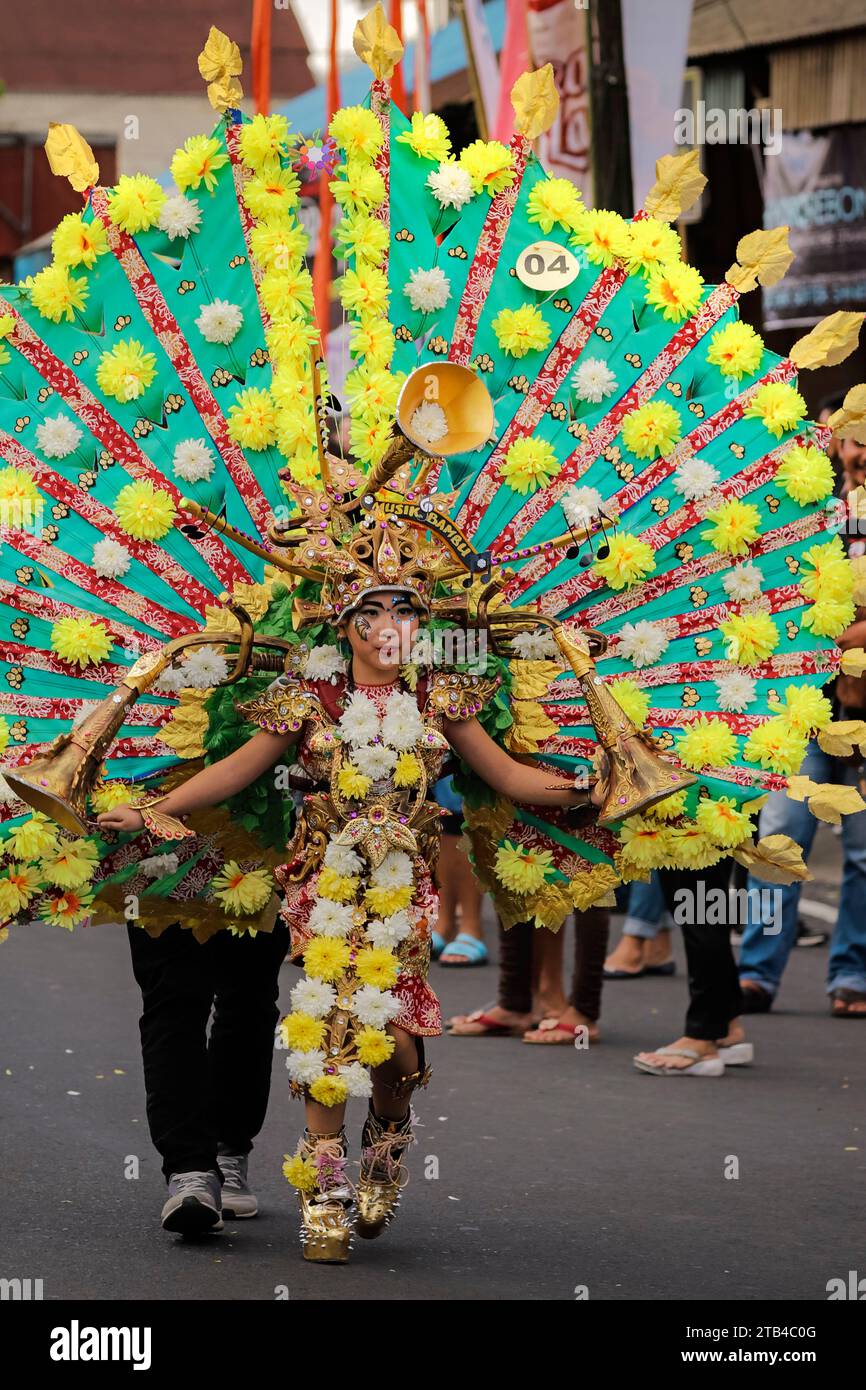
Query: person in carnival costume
(561, 440)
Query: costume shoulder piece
(286, 704)
(458, 695)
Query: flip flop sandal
(464, 945)
(701, 1066)
(738, 1054)
(491, 1027)
(668, 968)
(437, 945)
(555, 1025)
(624, 974)
(846, 997)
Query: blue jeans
(764, 954)
(647, 914)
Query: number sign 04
(545, 265)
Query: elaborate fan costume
(644, 515)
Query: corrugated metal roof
(820, 83)
(728, 26)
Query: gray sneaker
(193, 1205)
(238, 1200)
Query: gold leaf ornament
(535, 101)
(829, 342)
(377, 43)
(840, 738)
(531, 727)
(854, 660)
(679, 183)
(849, 421)
(775, 858)
(827, 800)
(70, 156)
(763, 257)
(220, 64)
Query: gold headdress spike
(220, 64)
(70, 156)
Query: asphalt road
(557, 1168)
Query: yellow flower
(733, 527)
(359, 186)
(80, 641)
(302, 1032)
(353, 784)
(76, 242)
(126, 370)
(652, 429)
(749, 637)
(66, 909)
(286, 294)
(522, 869)
(357, 131)
(832, 576)
(374, 1047)
(301, 1173)
(723, 822)
(829, 617)
(489, 165)
(428, 137)
(605, 235)
(364, 237)
(279, 246)
(805, 708)
(528, 464)
(383, 901)
(33, 839)
(628, 562)
(304, 468)
(554, 201)
(7, 323)
(326, 958)
(264, 140)
(691, 848)
(71, 865)
(296, 431)
(669, 808)
(373, 340)
(806, 474)
(197, 162)
(736, 349)
(707, 743)
(364, 291)
(145, 512)
(241, 891)
(645, 845)
(18, 884)
(136, 202)
(407, 773)
(329, 1090)
(377, 967)
(372, 391)
(779, 405)
(17, 485)
(631, 699)
(107, 795)
(522, 330)
(369, 437)
(253, 419)
(4, 734)
(289, 341)
(651, 243)
(56, 294)
(675, 290)
(337, 888)
(776, 746)
(271, 193)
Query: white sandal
(701, 1066)
(737, 1054)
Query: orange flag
(398, 86)
(322, 263)
(260, 44)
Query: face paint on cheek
(361, 624)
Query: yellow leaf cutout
(849, 421)
(762, 259)
(829, 342)
(220, 64)
(775, 858)
(679, 183)
(70, 156)
(826, 800)
(377, 43)
(840, 738)
(535, 101)
(854, 660)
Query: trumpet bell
(50, 784)
(639, 777)
(463, 398)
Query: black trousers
(714, 983)
(590, 948)
(203, 1090)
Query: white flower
(172, 681)
(324, 663)
(736, 691)
(58, 437)
(450, 185)
(536, 646)
(110, 558)
(331, 919)
(582, 505)
(306, 1067)
(204, 668)
(220, 322)
(374, 1007)
(642, 643)
(429, 422)
(742, 583)
(179, 216)
(159, 865)
(695, 479)
(593, 380)
(374, 760)
(193, 461)
(359, 722)
(395, 871)
(389, 933)
(342, 859)
(428, 290)
(313, 997)
(358, 1081)
(402, 725)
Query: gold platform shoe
(326, 1225)
(383, 1173)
